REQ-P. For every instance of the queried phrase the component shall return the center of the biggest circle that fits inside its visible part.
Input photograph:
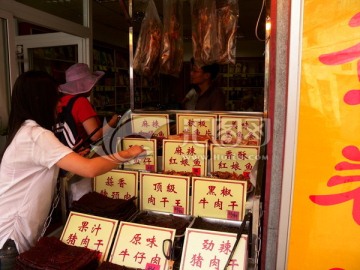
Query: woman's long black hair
(34, 97)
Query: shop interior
(243, 81)
(116, 30)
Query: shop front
(305, 215)
(189, 152)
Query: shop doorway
(51, 52)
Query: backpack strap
(87, 139)
(71, 102)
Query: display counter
(231, 146)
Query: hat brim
(82, 85)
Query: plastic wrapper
(204, 32)
(172, 49)
(147, 54)
(227, 18)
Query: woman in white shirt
(31, 161)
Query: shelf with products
(146, 91)
(243, 84)
(53, 60)
(109, 93)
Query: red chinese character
(248, 166)
(178, 202)
(171, 188)
(234, 124)
(115, 195)
(164, 201)
(196, 260)
(226, 192)
(186, 131)
(242, 155)
(109, 181)
(145, 124)
(197, 162)
(196, 132)
(122, 182)
(211, 190)
(191, 151)
(222, 165)
(172, 160)
(208, 132)
(184, 162)
(202, 123)
(251, 136)
(178, 151)
(151, 200)
(96, 229)
(233, 205)
(158, 187)
(85, 242)
(229, 154)
(155, 260)
(245, 125)
(352, 97)
(218, 204)
(225, 247)
(136, 239)
(155, 123)
(127, 196)
(104, 192)
(124, 253)
(136, 161)
(84, 226)
(351, 153)
(239, 135)
(98, 244)
(235, 166)
(208, 245)
(140, 256)
(191, 123)
(214, 263)
(151, 242)
(147, 161)
(71, 240)
(203, 202)
(233, 263)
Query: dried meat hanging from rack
(227, 18)
(204, 32)
(172, 51)
(146, 59)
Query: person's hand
(136, 150)
(114, 120)
(132, 152)
(84, 151)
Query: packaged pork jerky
(147, 54)
(227, 12)
(172, 49)
(204, 32)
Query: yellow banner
(325, 219)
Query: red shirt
(81, 111)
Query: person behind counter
(79, 82)
(30, 163)
(208, 97)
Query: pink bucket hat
(79, 79)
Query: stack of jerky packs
(94, 203)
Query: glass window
(72, 10)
